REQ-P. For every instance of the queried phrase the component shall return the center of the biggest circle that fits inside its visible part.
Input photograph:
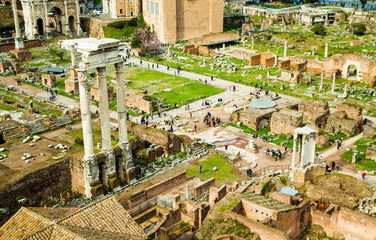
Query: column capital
(119, 67)
(101, 71)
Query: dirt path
(345, 144)
(60, 131)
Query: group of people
(53, 93)
(276, 154)
(210, 120)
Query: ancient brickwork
(339, 122)
(285, 121)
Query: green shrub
(283, 179)
(319, 29)
(118, 24)
(136, 42)
(359, 29)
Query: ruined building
(173, 20)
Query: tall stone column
(79, 29)
(106, 130)
(326, 50)
(322, 81)
(47, 24)
(18, 40)
(127, 171)
(285, 50)
(105, 6)
(113, 9)
(93, 187)
(334, 82)
(67, 29)
(35, 30)
(276, 60)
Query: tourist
(200, 168)
(286, 148)
(127, 116)
(195, 127)
(159, 114)
(364, 176)
(190, 114)
(337, 168)
(226, 146)
(212, 78)
(70, 127)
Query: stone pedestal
(22, 54)
(71, 84)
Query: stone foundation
(22, 55)
(285, 121)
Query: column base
(113, 181)
(93, 186)
(22, 54)
(129, 171)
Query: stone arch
(40, 26)
(57, 14)
(352, 71)
(346, 67)
(7, 2)
(72, 24)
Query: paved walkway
(345, 144)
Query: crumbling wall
(203, 187)
(214, 37)
(339, 122)
(140, 102)
(352, 224)
(285, 121)
(284, 65)
(38, 185)
(353, 112)
(315, 113)
(262, 230)
(215, 194)
(254, 60)
(252, 120)
(170, 142)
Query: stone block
(22, 55)
(285, 121)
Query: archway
(7, 3)
(72, 25)
(40, 27)
(55, 16)
(352, 71)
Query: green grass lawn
(180, 89)
(222, 174)
(111, 32)
(363, 163)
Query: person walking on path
(200, 168)
(364, 176)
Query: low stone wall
(214, 38)
(149, 193)
(215, 194)
(339, 122)
(170, 142)
(39, 184)
(352, 224)
(265, 233)
(203, 187)
(6, 47)
(140, 102)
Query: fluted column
(322, 81)
(47, 24)
(121, 104)
(79, 29)
(127, 170)
(106, 130)
(35, 30)
(89, 162)
(67, 29)
(18, 40)
(334, 82)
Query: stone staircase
(200, 151)
(61, 121)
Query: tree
(319, 29)
(149, 43)
(363, 2)
(136, 42)
(60, 53)
(359, 29)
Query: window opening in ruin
(56, 13)
(353, 71)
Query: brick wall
(353, 225)
(284, 64)
(265, 233)
(254, 60)
(203, 187)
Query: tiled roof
(104, 219)
(54, 232)
(53, 213)
(23, 223)
(105, 215)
